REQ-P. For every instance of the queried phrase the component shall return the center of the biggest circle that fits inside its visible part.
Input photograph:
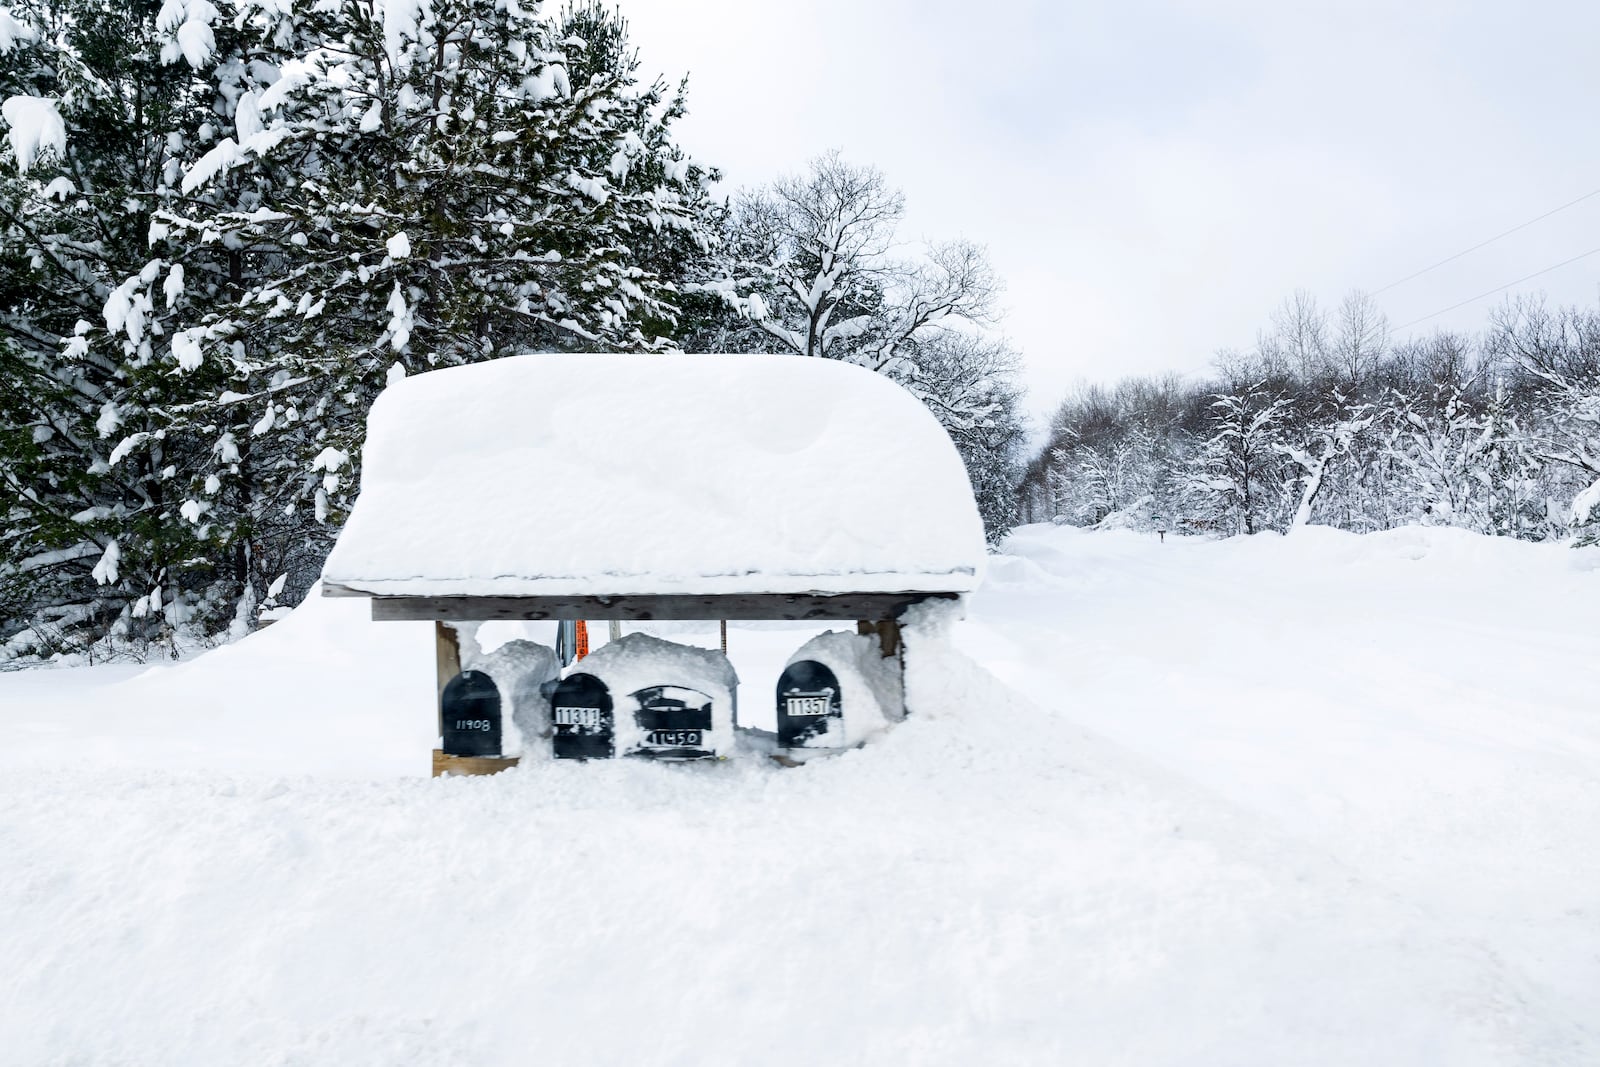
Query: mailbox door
(469, 715)
(809, 704)
(675, 722)
(581, 714)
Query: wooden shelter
(656, 487)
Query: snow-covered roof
(613, 475)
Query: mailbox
(469, 715)
(674, 723)
(809, 706)
(582, 721)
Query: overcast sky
(1153, 177)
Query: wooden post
(887, 631)
(447, 662)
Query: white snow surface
(12, 32)
(1316, 800)
(1586, 504)
(632, 474)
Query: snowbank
(562, 474)
(323, 691)
(1318, 800)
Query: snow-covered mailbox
(662, 487)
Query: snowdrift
(1312, 800)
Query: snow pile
(36, 128)
(323, 690)
(1586, 504)
(12, 32)
(1318, 800)
(669, 473)
(639, 661)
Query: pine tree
(256, 216)
(456, 196)
(91, 535)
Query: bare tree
(1300, 327)
(1360, 341)
(814, 270)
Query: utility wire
(1485, 244)
(1501, 289)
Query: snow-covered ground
(1322, 799)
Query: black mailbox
(809, 705)
(469, 715)
(581, 715)
(675, 722)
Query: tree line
(226, 225)
(1328, 419)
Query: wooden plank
(443, 764)
(743, 607)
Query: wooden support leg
(447, 662)
(887, 631)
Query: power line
(1490, 241)
(1501, 289)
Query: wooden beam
(742, 607)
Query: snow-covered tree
(811, 268)
(1558, 353)
(1329, 439)
(1466, 467)
(1236, 474)
(970, 383)
(99, 101)
(226, 225)
(443, 191)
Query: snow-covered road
(1420, 706)
(1315, 800)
